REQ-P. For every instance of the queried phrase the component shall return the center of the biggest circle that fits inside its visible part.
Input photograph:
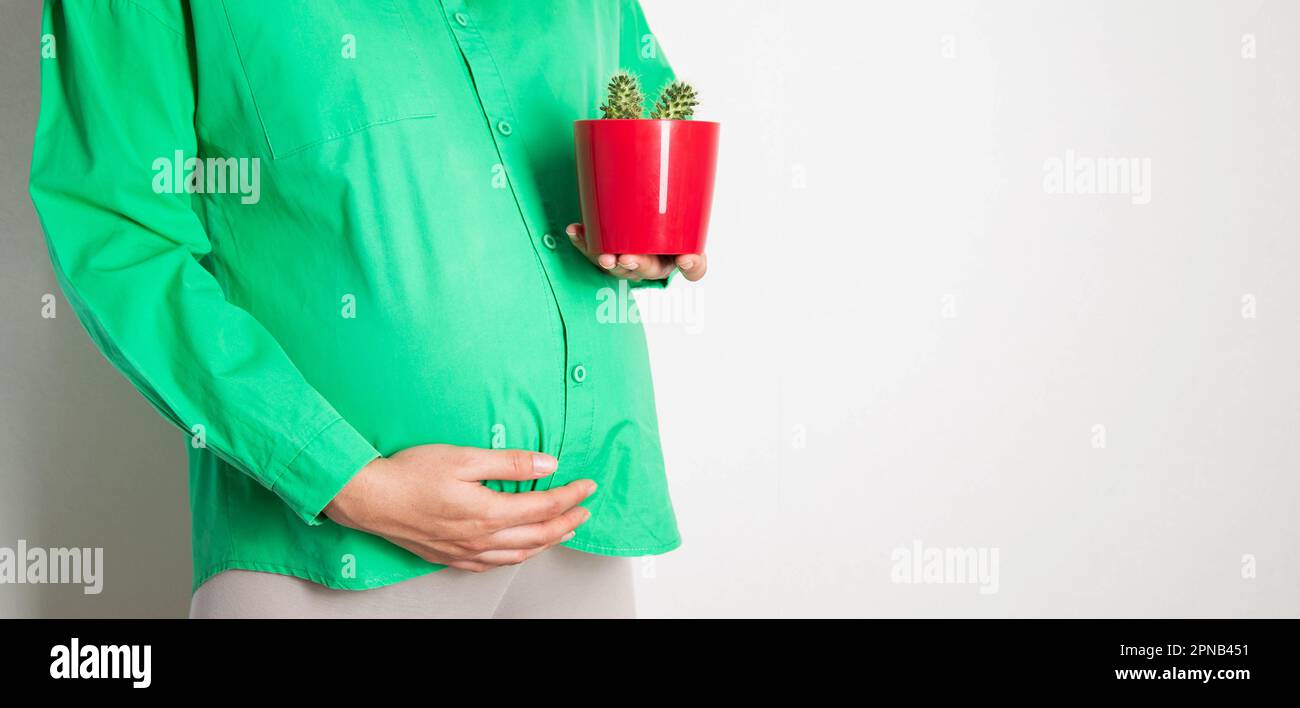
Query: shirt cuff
(321, 468)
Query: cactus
(676, 102)
(625, 98)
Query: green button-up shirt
(316, 231)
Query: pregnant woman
(331, 241)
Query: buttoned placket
(579, 408)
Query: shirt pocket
(322, 69)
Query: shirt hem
(328, 581)
(393, 578)
(623, 550)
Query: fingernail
(570, 230)
(586, 514)
(630, 266)
(569, 536)
(543, 465)
(609, 267)
(591, 488)
(687, 264)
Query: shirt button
(549, 240)
(462, 19)
(579, 373)
(504, 127)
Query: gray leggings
(557, 583)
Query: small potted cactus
(646, 184)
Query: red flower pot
(646, 185)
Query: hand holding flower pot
(646, 185)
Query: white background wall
(84, 461)
(903, 336)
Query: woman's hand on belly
(430, 500)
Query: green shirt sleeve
(116, 96)
(640, 53)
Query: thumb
(521, 465)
